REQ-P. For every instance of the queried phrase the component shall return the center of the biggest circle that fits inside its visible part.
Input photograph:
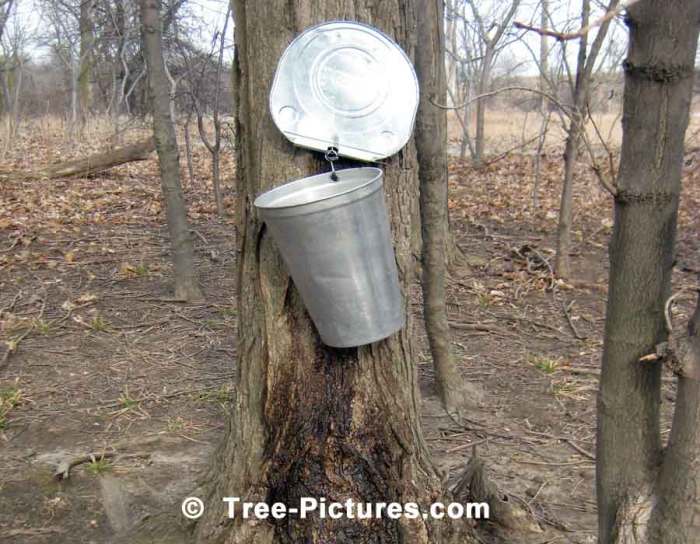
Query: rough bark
(186, 287)
(675, 518)
(89, 166)
(431, 146)
(632, 472)
(308, 420)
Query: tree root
(507, 517)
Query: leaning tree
(308, 420)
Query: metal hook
(332, 156)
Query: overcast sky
(516, 55)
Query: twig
(12, 304)
(609, 187)
(12, 345)
(63, 469)
(467, 445)
(567, 314)
(547, 463)
(565, 439)
(567, 36)
(498, 91)
(509, 151)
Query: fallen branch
(570, 321)
(12, 345)
(91, 165)
(64, 467)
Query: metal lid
(345, 85)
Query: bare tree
(490, 41)
(85, 68)
(186, 287)
(215, 147)
(431, 144)
(585, 63)
(13, 56)
(648, 493)
(476, 38)
(543, 66)
(5, 10)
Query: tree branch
(568, 36)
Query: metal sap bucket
(335, 239)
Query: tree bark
(188, 152)
(644, 495)
(186, 287)
(580, 98)
(308, 420)
(544, 103)
(87, 41)
(431, 146)
(482, 88)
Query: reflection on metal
(348, 90)
(335, 240)
(346, 85)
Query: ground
(97, 360)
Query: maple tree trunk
(646, 494)
(186, 286)
(431, 146)
(94, 164)
(308, 420)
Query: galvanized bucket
(335, 240)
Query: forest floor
(98, 367)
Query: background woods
(544, 219)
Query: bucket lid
(345, 85)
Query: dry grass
(507, 129)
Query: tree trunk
(644, 495)
(308, 420)
(580, 98)
(188, 152)
(87, 40)
(89, 166)
(216, 180)
(483, 87)
(544, 103)
(431, 146)
(580, 91)
(186, 286)
(563, 258)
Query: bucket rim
(259, 201)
